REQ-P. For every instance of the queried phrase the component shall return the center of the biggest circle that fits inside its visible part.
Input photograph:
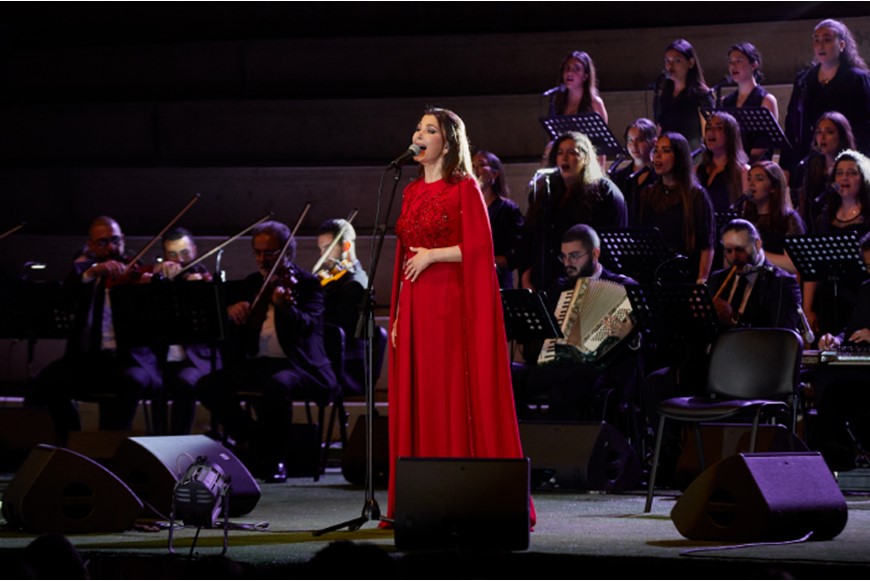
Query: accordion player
(594, 316)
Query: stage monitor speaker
(450, 503)
(353, 457)
(152, 465)
(60, 491)
(583, 456)
(722, 440)
(762, 497)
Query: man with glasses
(574, 390)
(278, 356)
(757, 293)
(93, 366)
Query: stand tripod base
(370, 511)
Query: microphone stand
(365, 330)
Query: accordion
(581, 313)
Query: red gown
(450, 391)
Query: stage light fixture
(200, 497)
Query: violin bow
(335, 240)
(280, 257)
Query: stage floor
(578, 535)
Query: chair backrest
(755, 363)
(333, 343)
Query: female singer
(580, 92)
(684, 93)
(836, 80)
(744, 67)
(846, 209)
(577, 193)
(505, 217)
(723, 170)
(678, 206)
(631, 176)
(450, 391)
(770, 210)
(833, 134)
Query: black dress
(681, 113)
(506, 221)
(754, 99)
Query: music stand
(636, 253)
(674, 315)
(758, 126)
(36, 310)
(589, 124)
(168, 313)
(832, 258)
(526, 317)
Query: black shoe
(277, 474)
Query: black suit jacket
(299, 327)
(774, 299)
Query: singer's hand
(415, 265)
(860, 336)
(394, 332)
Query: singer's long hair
(735, 155)
(850, 56)
(499, 186)
(648, 132)
(590, 85)
(457, 160)
(688, 189)
(695, 77)
(779, 203)
(752, 54)
(816, 178)
(833, 200)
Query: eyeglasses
(571, 256)
(104, 242)
(266, 253)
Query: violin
(285, 279)
(338, 269)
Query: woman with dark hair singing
(450, 392)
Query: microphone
(557, 89)
(658, 81)
(739, 202)
(726, 80)
(831, 189)
(413, 151)
(700, 151)
(544, 171)
(639, 173)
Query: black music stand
(526, 317)
(758, 126)
(636, 253)
(676, 315)
(168, 313)
(36, 310)
(589, 124)
(832, 258)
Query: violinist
(279, 355)
(93, 367)
(344, 282)
(183, 365)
